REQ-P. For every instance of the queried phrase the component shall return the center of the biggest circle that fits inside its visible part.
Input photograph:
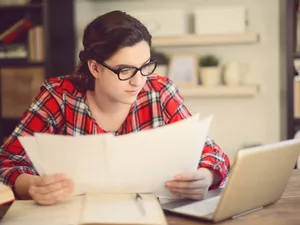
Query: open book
(121, 209)
(89, 209)
(140, 162)
(6, 199)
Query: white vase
(210, 76)
(232, 74)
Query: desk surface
(284, 212)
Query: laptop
(258, 178)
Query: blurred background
(234, 59)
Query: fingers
(189, 185)
(193, 196)
(196, 194)
(184, 191)
(45, 189)
(186, 184)
(51, 189)
(52, 179)
(51, 198)
(190, 176)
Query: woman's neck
(107, 105)
(108, 114)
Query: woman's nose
(138, 79)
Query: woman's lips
(132, 92)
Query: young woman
(113, 90)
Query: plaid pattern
(61, 108)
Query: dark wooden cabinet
(56, 47)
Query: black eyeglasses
(128, 72)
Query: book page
(120, 209)
(142, 162)
(82, 158)
(30, 146)
(6, 195)
(27, 212)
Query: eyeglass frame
(117, 71)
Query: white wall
(237, 121)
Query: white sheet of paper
(82, 158)
(144, 161)
(30, 146)
(136, 162)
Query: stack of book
(12, 48)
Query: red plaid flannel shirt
(61, 108)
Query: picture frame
(183, 69)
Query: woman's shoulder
(65, 84)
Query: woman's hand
(193, 185)
(51, 189)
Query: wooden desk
(284, 212)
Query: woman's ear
(94, 68)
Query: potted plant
(162, 62)
(210, 72)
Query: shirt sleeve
(44, 115)
(212, 157)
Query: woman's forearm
(22, 184)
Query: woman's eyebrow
(132, 65)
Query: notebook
(121, 209)
(6, 199)
(27, 212)
(89, 209)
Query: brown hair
(104, 36)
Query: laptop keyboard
(199, 208)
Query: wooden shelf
(194, 40)
(220, 91)
(19, 63)
(21, 6)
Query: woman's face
(107, 82)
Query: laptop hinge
(245, 213)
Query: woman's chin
(128, 100)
